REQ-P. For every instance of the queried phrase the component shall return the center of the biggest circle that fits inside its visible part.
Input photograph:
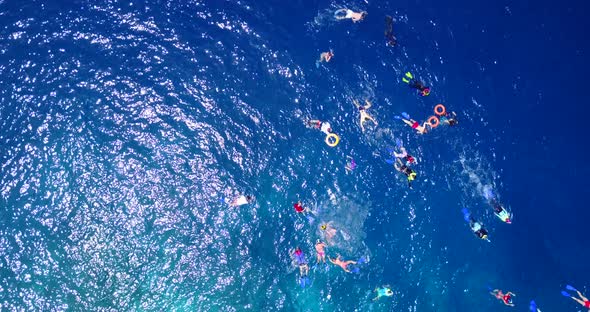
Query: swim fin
(405, 115)
(466, 215)
(565, 294)
(356, 270)
(361, 260)
(533, 306)
(405, 80)
(569, 287)
(409, 75)
(390, 161)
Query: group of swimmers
(402, 162)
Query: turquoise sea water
(125, 125)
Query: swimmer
(582, 300)
(329, 231)
(326, 56)
(404, 156)
(391, 40)
(506, 298)
(416, 84)
(500, 212)
(343, 264)
(449, 118)
(420, 128)
(346, 13)
(381, 292)
(299, 208)
(364, 115)
(411, 174)
(475, 226)
(321, 253)
(241, 200)
(323, 126)
(350, 164)
(299, 256)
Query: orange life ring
(433, 121)
(440, 110)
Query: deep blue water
(122, 125)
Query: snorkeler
(501, 212)
(317, 124)
(407, 171)
(343, 264)
(320, 252)
(350, 164)
(475, 226)
(383, 292)
(324, 57)
(416, 84)
(582, 300)
(449, 118)
(391, 40)
(420, 128)
(241, 200)
(346, 13)
(364, 115)
(506, 298)
(299, 207)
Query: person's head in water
(323, 227)
(249, 198)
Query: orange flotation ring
(440, 110)
(433, 121)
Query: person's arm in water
(356, 104)
(367, 104)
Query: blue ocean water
(125, 125)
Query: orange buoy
(440, 110)
(433, 121)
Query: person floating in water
(323, 126)
(363, 112)
(449, 118)
(407, 171)
(420, 128)
(391, 40)
(350, 164)
(416, 84)
(500, 212)
(320, 252)
(506, 298)
(241, 200)
(475, 226)
(582, 300)
(301, 262)
(343, 264)
(299, 207)
(346, 13)
(325, 57)
(383, 292)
